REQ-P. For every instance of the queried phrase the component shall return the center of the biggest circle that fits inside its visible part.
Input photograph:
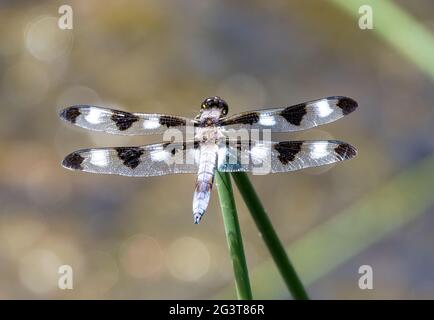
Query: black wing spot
(346, 151)
(288, 150)
(248, 118)
(70, 114)
(347, 105)
(124, 120)
(294, 114)
(170, 121)
(73, 161)
(130, 156)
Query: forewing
(144, 161)
(284, 156)
(121, 122)
(294, 118)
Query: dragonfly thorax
(208, 134)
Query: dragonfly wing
(294, 118)
(121, 122)
(144, 161)
(284, 156)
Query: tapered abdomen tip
(197, 216)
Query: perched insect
(212, 147)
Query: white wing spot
(99, 158)
(94, 116)
(323, 108)
(266, 120)
(319, 150)
(159, 155)
(152, 123)
(260, 153)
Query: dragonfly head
(215, 104)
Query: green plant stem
(270, 237)
(233, 235)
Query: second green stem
(233, 235)
(270, 237)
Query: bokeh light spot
(142, 257)
(38, 271)
(46, 41)
(188, 259)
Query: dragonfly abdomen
(205, 179)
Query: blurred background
(133, 238)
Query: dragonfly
(212, 146)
